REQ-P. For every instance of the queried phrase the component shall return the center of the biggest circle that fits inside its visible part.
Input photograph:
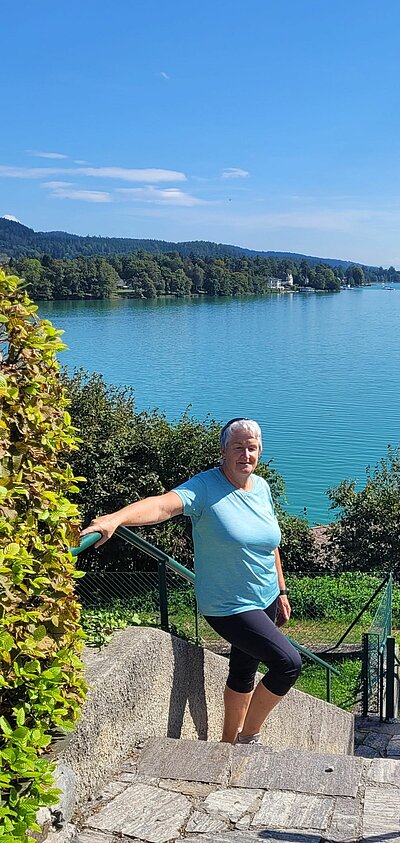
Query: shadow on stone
(188, 687)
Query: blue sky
(271, 125)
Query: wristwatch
(283, 591)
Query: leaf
(40, 632)
(21, 734)
(5, 727)
(6, 641)
(20, 717)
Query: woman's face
(240, 454)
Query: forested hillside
(151, 268)
(17, 240)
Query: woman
(240, 587)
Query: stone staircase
(123, 781)
(170, 789)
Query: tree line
(144, 275)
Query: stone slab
(364, 751)
(376, 740)
(382, 814)
(127, 778)
(196, 789)
(328, 775)
(130, 764)
(384, 771)
(205, 823)
(393, 748)
(244, 823)
(346, 821)
(111, 790)
(145, 812)
(189, 760)
(270, 836)
(232, 804)
(285, 810)
(373, 723)
(89, 836)
(249, 764)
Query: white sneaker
(248, 739)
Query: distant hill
(17, 240)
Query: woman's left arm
(283, 605)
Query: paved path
(374, 739)
(215, 793)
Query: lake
(319, 372)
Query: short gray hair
(248, 425)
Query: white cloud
(158, 196)
(81, 195)
(151, 174)
(79, 161)
(30, 172)
(164, 75)
(234, 173)
(45, 154)
(54, 184)
(10, 217)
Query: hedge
(41, 682)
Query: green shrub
(298, 550)
(41, 682)
(338, 597)
(366, 535)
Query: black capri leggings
(255, 638)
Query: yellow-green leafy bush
(41, 684)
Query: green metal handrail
(141, 544)
(362, 611)
(163, 559)
(375, 640)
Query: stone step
(215, 793)
(251, 766)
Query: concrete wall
(148, 683)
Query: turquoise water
(319, 372)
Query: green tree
(324, 278)
(366, 535)
(355, 275)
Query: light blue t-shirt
(235, 534)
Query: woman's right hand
(104, 524)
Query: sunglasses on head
(231, 421)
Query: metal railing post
(162, 590)
(364, 674)
(381, 668)
(390, 673)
